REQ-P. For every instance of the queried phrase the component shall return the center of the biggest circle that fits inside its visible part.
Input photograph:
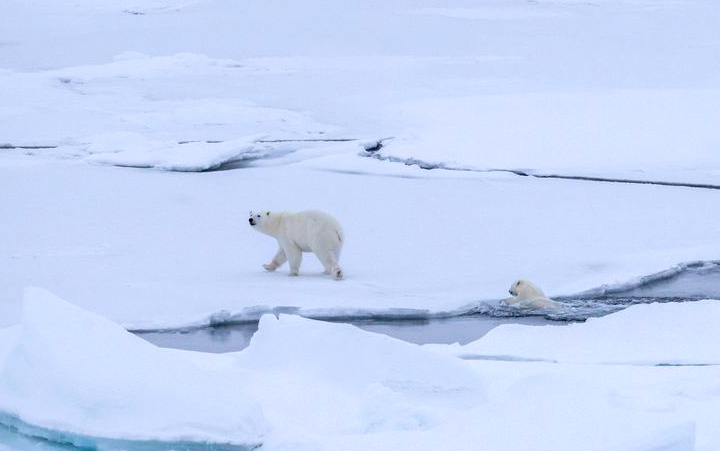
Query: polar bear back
(311, 228)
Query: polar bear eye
(267, 214)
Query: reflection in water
(697, 281)
(226, 338)
(235, 337)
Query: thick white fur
(526, 294)
(304, 231)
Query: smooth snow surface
(163, 249)
(72, 376)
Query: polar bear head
(258, 218)
(524, 289)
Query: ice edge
(253, 314)
(86, 442)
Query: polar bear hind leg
(330, 260)
(337, 273)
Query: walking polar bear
(527, 295)
(304, 231)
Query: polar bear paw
(338, 275)
(269, 267)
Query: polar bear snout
(252, 221)
(512, 292)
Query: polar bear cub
(526, 294)
(304, 231)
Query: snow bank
(75, 375)
(324, 379)
(185, 157)
(302, 347)
(651, 334)
(334, 386)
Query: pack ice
(71, 376)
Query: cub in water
(526, 294)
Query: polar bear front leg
(277, 261)
(294, 256)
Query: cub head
(258, 219)
(525, 289)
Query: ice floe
(649, 334)
(72, 376)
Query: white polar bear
(304, 231)
(527, 295)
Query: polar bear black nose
(252, 221)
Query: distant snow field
(135, 136)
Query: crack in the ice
(512, 358)
(373, 153)
(599, 301)
(372, 150)
(12, 146)
(631, 181)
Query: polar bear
(525, 294)
(304, 231)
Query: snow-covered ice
(162, 249)
(633, 134)
(182, 157)
(677, 335)
(623, 89)
(72, 376)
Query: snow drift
(72, 376)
